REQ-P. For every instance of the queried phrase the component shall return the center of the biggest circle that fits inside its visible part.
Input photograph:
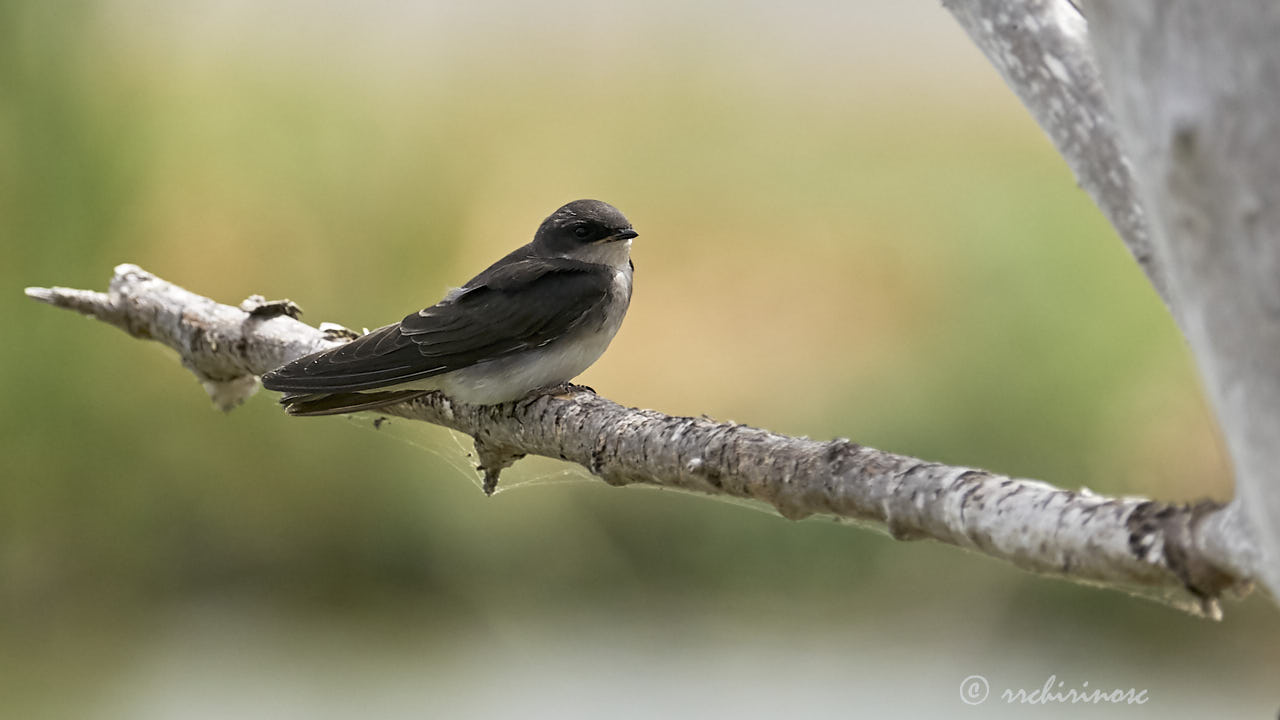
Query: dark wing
(520, 306)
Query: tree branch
(1195, 91)
(1041, 49)
(1187, 556)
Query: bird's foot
(566, 390)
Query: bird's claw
(567, 389)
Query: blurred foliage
(896, 256)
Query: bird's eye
(582, 232)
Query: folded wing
(519, 307)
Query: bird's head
(587, 230)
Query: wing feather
(509, 309)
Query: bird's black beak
(627, 234)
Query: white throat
(616, 254)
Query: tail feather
(317, 404)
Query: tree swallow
(536, 318)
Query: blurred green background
(849, 227)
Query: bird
(535, 319)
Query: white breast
(514, 377)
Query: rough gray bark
(1183, 555)
(1195, 87)
(1041, 49)
(1168, 113)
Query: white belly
(511, 378)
